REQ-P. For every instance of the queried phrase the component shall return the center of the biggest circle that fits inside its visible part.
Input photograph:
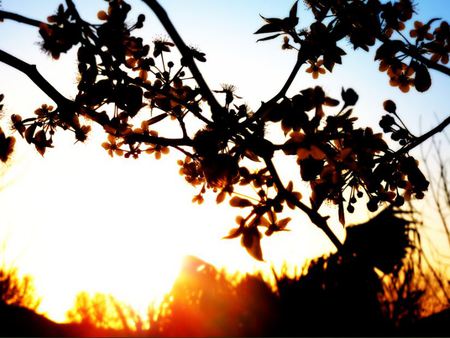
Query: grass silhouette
(342, 294)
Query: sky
(79, 220)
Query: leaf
(235, 232)
(268, 28)
(221, 197)
(240, 202)
(251, 241)
(275, 21)
(29, 133)
(264, 222)
(270, 37)
(157, 118)
(273, 25)
(41, 142)
(6, 146)
(331, 102)
(283, 223)
(251, 155)
(293, 11)
(422, 81)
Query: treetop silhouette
(128, 87)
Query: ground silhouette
(336, 295)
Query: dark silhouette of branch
(67, 105)
(410, 50)
(19, 18)
(419, 140)
(439, 128)
(266, 106)
(317, 219)
(300, 61)
(186, 53)
(32, 72)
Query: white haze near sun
(80, 220)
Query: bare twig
(19, 18)
(317, 219)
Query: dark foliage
(338, 295)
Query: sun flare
(85, 229)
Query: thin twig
(186, 53)
(317, 219)
(19, 18)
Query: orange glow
(122, 227)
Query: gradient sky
(80, 220)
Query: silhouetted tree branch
(186, 52)
(412, 51)
(19, 18)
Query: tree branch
(36, 77)
(417, 141)
(300, 61)
(68, 105)
(314, 216)
(439, 128)
(416, 55)
(186, 54)
(162, 141)
(19, 18)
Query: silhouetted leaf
(129, 98)
(422, 81)
(157, 118)
(251, 240)
(221, 197)
(264, 222)
(293, 11)
(29, 133)
(240, 202)
(41, 142)
(6, 146)
(270, 37)
(251, 155)
(283, 223)
(236, 232)
(273, 25)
